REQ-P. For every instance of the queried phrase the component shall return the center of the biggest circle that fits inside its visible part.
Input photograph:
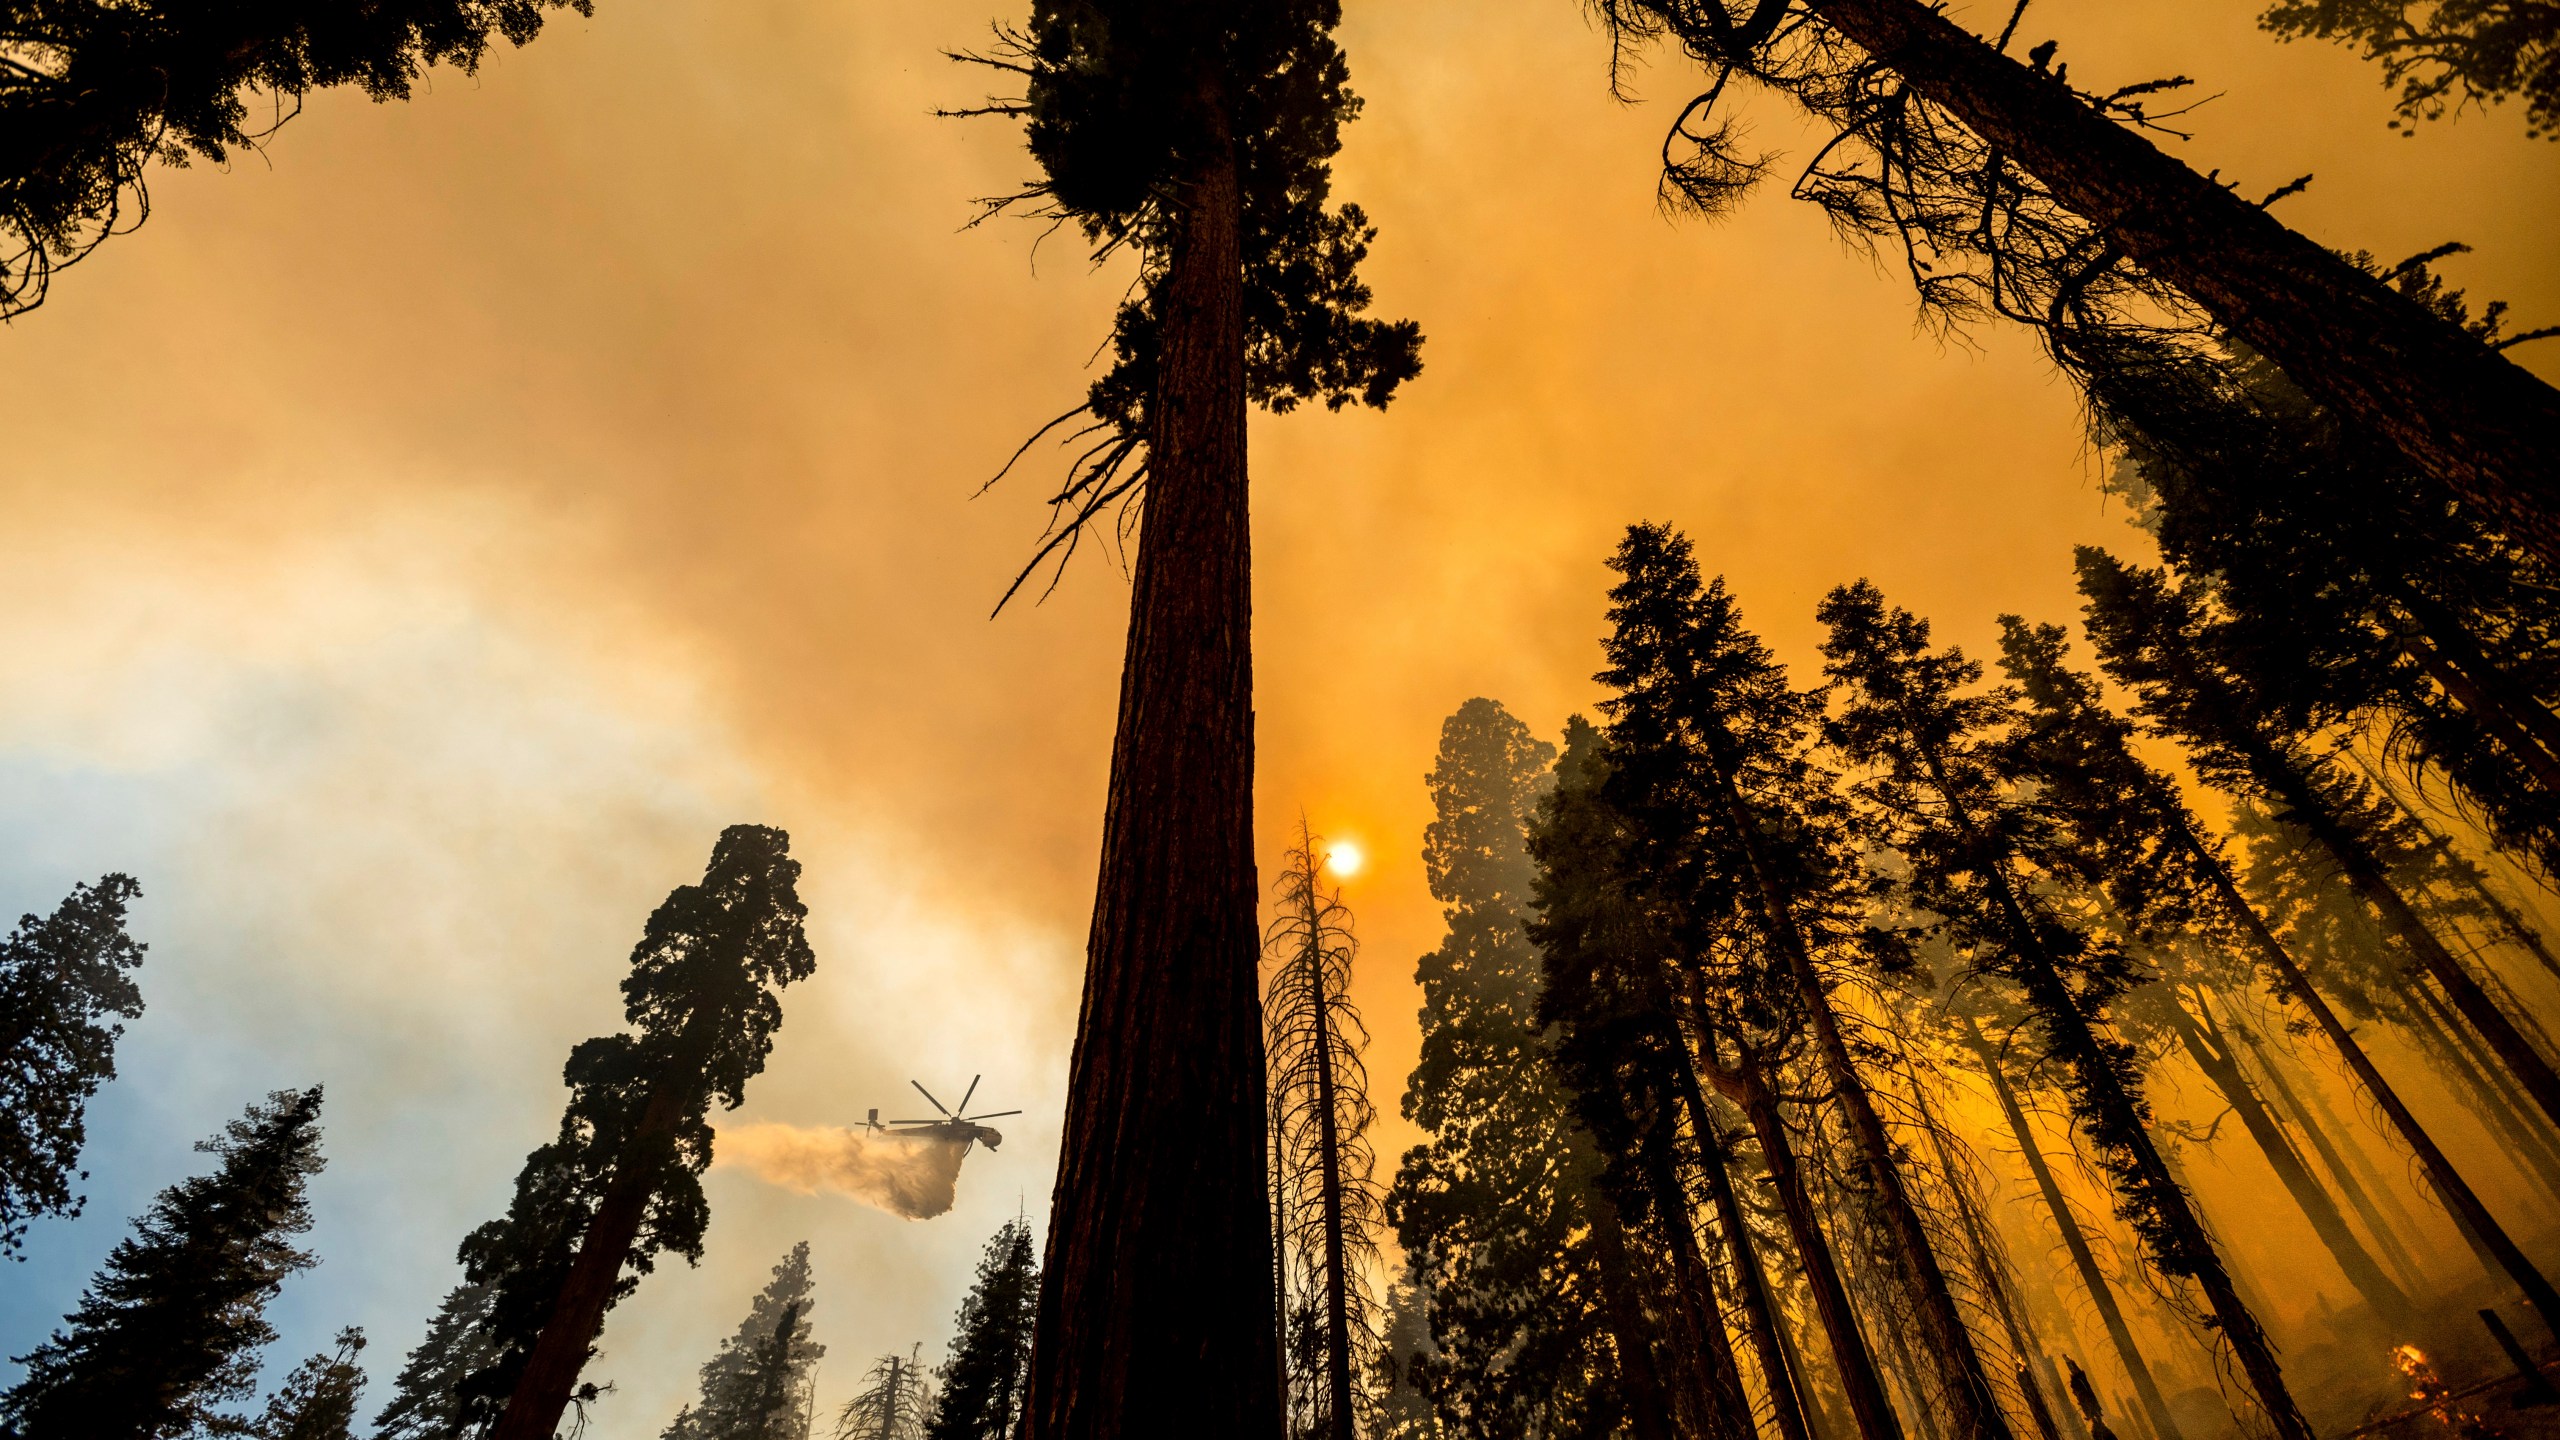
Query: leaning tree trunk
(2212, 1055)
(2365, 875)
(1746, 1086)
(2447, 1182)
(2385, 1218)
(1973, 1411)
(568, 1337)
(2464, 413)
(2102, 1295)
(1155, 1301)
(1751, 1283)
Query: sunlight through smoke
(907, 1175)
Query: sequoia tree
(97, 91)
(2010, 189)
(173, 1323)
(623, 1180)
(1201, 137)
(65, 981)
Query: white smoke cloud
(916, 1176)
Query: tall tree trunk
(1639, 1376)
(1989, 1265)
(2493, 1096)
(1751, 1285)
(2473, 877)
(1337, 1279)
(2365, 875)
(2464, 413)
(2102, 1295)
(2525, 749)
(1747, 1087)
(2349, 1170)
(2442, 1177)
(2212, 1055)
(2073, 1039)
(1973, 1411)
(1155, 1304)
(577, 1312)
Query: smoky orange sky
(426, 533)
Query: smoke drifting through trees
(910, 1175)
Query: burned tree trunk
(1155, 1305)
(2485, 426)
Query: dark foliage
(316, 1402)
(990, 1364)
(2444, 54)
(1125, 102)
(172, 1325)
(760, 1385)
(426, 1396)
(62, 977)
(702, 997)
(93, 92)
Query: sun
(1344, 858)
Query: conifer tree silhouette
(1534, 1303)
(65, 981)
(2010, 190)
(96, 92)
(426, 1396)
(173, 1323)
(622, 1183)
(1201, 136)
(318, 1400)
(2444, 57)
(1937, 789)
(1328, 1204)
(983, 1381)
(760, 1385)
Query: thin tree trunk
(1337, 1288)
(1973, 1412)
(2073, 1038)
(2102, 1295)
(1751, 1284)
(2473, 878)
(2353, 1175)
(2364, 873)
(1989, 1265)
(542, 1392)
(2449, 1186)
(2493, 1096)
(2464, 413)
(1851, 1357)
(2212, 1056)
(1154, 1303)
(2523, 748)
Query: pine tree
(2159, 639)
(426, 1396)
(1534, 1307)
(1327, 1204)
(2445, 57)
(318, 1400)
(760, 1385)
(99, 91)
(1201, 136)
(2012, 191)
(172, 1325)
(622, 1182)
(896, 1402)
(1705, 728)
(1937, 790)
(61, 978)
(984, 1380)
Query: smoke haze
(909, 1175)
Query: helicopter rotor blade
(991, 1115)
(938, 1105)
(972, 1090)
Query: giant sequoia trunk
(577, 1313)
(2461, 411)
(1155, 1301)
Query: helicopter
(955, 1126)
